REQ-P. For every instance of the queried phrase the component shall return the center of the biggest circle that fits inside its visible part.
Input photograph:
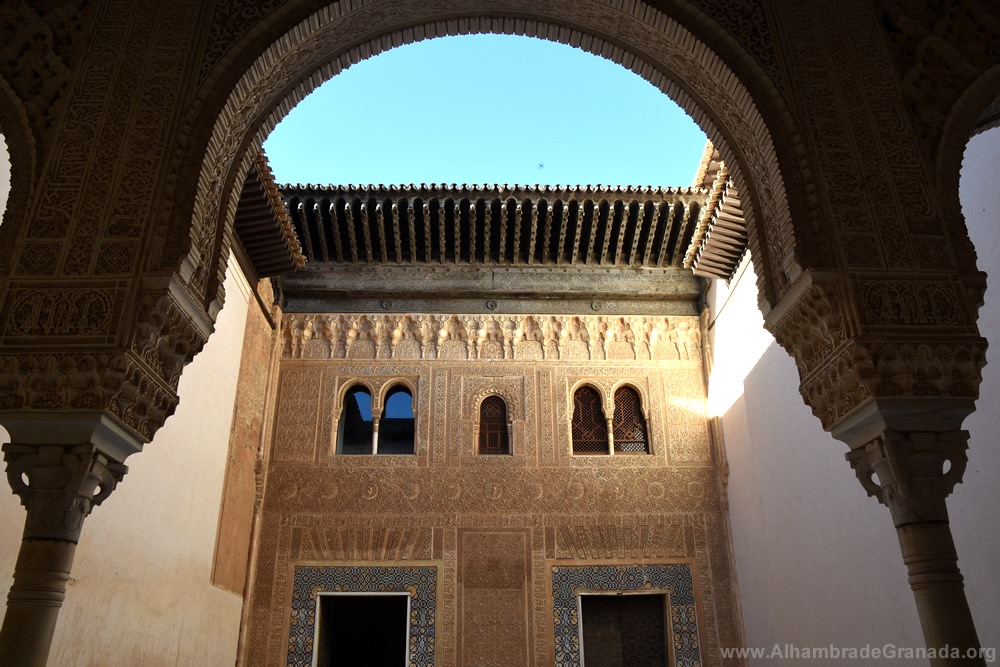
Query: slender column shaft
(945, 618)
(38, 591)
(58, 485)
(912, 472)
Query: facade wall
(141, 591)
(817, 560)
(252, 408)
(492, 527)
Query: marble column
(61, 465)
(909, 453)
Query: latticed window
(590, 431)
(629, 425)
(493, 435)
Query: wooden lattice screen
(493, 435)
(590, 431)
(629, 424)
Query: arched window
(396, 426)
(590, 431)
(493, 435)
(629, 423)
(356, 427)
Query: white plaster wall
(817, 560)
(140, 592)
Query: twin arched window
(361, 431)
(590, 425)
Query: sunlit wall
(818, 561)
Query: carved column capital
(62, 464)
(912, 473)
(59, 485)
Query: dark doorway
(362, 631)
(624, 630)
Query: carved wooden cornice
(267, 239)
(720, 237)
(475, 289)
(499, 244)
(499, 225)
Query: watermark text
(866, 652)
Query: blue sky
(486, 109)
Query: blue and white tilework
(309, 581)
(675, 579)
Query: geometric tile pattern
(568, 582)
(309, 581)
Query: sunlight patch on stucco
(738, 338)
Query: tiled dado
(673, 579)
(308, 581)
(676, 580)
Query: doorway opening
(370, 630)
(624, 630)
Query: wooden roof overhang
(720, 237)
(268, 245)
(407, 246)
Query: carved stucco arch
(476, 401)
(638, 37)
(338, 407)
(644, 400)
(577, 386)
(391, 383)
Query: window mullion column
(611, 432)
